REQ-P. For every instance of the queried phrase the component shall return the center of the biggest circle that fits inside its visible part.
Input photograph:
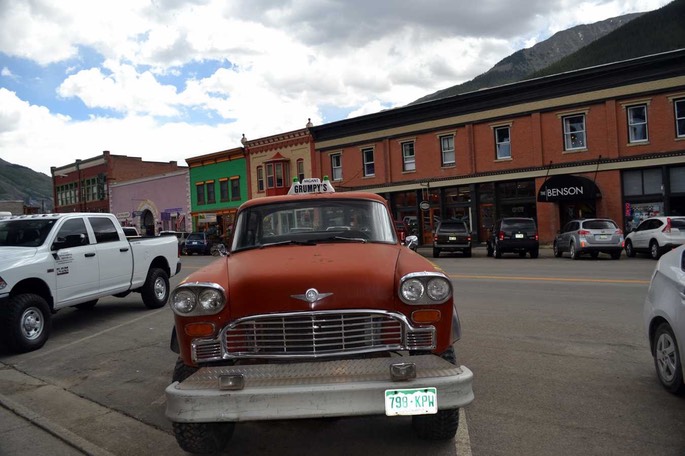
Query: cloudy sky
(170, 79)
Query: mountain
(611, 40)
(658, 31)
(21, 183)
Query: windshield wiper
(345, 238)
(288, 242)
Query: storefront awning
(568, 187)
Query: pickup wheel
(155, 291)
(443, 425)
(25, 323)
(203, 438)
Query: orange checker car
(317, 310)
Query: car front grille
(315, 334)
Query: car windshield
(308, 222)
(599, 225)
(24, 233)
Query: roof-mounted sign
(311, 185)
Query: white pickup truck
(52, 261)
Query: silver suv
(656, 236)
(592, 236)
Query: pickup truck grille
(315, 334)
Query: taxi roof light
(311, 185)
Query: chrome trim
(329, 339)
(424, 277)
(196, 288)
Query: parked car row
(591, 236)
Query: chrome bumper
(311, 390)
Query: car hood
(276, 279)
(13, 257)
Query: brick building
(83, 186)
(605, 141)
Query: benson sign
(568, 188)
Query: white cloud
(277, 63)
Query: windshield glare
(313, 221)
(24, 233)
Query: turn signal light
(199, 329)
(425, 316)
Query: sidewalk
(39, 418)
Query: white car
(664, 317)
(656, 236)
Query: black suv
(516, 235)
(451, 236)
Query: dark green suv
(514, 235)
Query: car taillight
(500, 235)
(435, 237)
(667, 228)
(583, 233)
(468, 238)
(536, 237)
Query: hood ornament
(311, 296)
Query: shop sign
(568, 188)
(424, 205)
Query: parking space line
(43, 352)
(462, 443)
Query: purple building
(153, 203)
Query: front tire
(630, 251)
(572, 250)
(496, 252)
(203, 438)
(25, 323)
(667, 359)
(155, 291)
(442, 425)
(557, 250)
(654, 250)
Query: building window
(369, 166)
(223, 190)
(680, 118)
(300, 169)
(260, 179)
(642, 182)
(408, 157)
(447, 150)
(574, 132)
(200, 190)
(235, 189)
(279, 174)
(637, 123)
(211, 196)
(502, 143)
(269, 175)
(336, 167)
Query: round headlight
(211, 301)
(412, 290)
(183, 301)
(438, 289)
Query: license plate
(518, 236)
(602, 236)
(415, 401)
(453, 238)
